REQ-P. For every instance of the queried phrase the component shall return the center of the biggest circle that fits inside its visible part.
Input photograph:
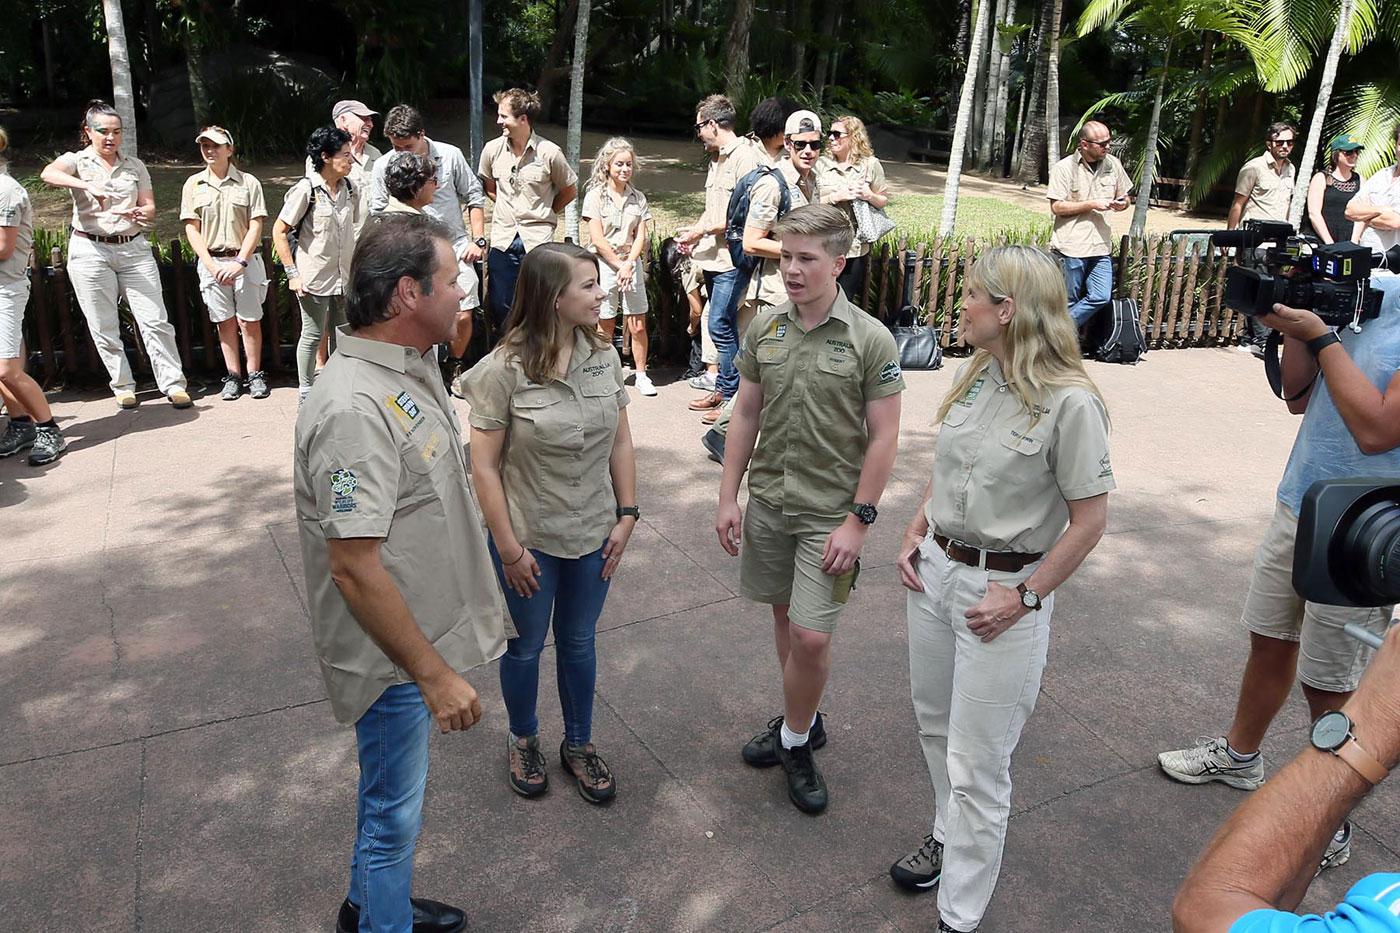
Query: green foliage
(269, 116)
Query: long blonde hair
(1042, 348)
(860, 139)
(599, 177)
(533, 333)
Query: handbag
(917, 343)
(871, 222)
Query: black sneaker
(761, 750)
(233, 387)
(713, 441)
(944, 928)
(806, 789)
(19, 435)
(428, 917)
(257, 385)
(49, 445)
(920, 870)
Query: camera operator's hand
(1298, 323)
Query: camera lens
(1370, 551)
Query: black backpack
(294, 234)
(1114, 334)
(738, 214)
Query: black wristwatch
(631, 510)
(866, 512)
(481, 242)
(1029, 597)
(1318, 344)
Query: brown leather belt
(223, 253)
(1006, 561)
(99, 238)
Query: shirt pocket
(601, 395)
(534, 175)
(1025, 454)
(842, 365)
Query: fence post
(64, 308)
(1193, 312)
(42, 324)
(272, 334)
(1178, 281)
(182, 318)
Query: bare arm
(283, 246)
(843, 546)
(1064, 208)
(487, 448)
(1299, 371)
(489, 186)
(738, 450)
(639, 242)
(622, 466)
(9, 239)
(1087, 520)
(58, 176)
(194, 232)
(562, 199)
(1361, 210)
(1236, 209)
(1316, 187)
(600, 243)
(757, 242)
(249, 246)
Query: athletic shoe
(1338, 850)
(179, 398)
(595, 780)
(762, 750)
(713, 442)
(526, 770)
(944, 928)
(126, 401)
(921, 869)
(644, 384)
(232, 388)
(806, 789)
(1208, 761)
(705, 382)
(18, 436)
(49, 445)
(257, 385)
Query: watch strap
(1361, 761)
(632, 510)
(1318, 344)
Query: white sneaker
(1209, 760)
(1338, 850)
(644, 384)
(705, 382)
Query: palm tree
(122, 97)
(574, 138)
(736, 50)
(1053, 143)
(1324, 94)
(955, 159)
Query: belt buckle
(981, 554)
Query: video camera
(1276, 265)
(1347, 551)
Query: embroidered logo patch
(406, 404)
(972, 392)
(890, 372)
(1105, 469)
(343, 486)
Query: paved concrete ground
(169, 762)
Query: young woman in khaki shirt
(851, 173)
(553, 463)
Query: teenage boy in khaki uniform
(821, 380)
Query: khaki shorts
(780, 563)
(244, 298)
(1328, 658)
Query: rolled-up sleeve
(488, 387)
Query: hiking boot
(179, 398)
(595, 780)
(1338, 850)
(644, 384)
(528, 777)
(921, 869)
(49, 445)
(1208, 761)
(257, 385)
(19, 435)
(233, 387)
(762, 750)
(806, 789)
(126, 401)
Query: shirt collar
(233, 175)
(728, 148)
(379, 352)
(841, 310)
(994, 371)
(583, 350)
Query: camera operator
(1261, 861)
(1348, 388)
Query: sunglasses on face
(835, 134)
(1280, 142)
(813, 144)
(702, 124)
(1101, 143)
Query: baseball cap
(356, 107)
(216, 135)
(802, 121)
(1346, 143)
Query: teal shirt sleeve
(1371, 906)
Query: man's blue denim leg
(725, 290)
(1089, 284)
(393, 747)
(502, 270)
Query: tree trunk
(1003, 98)
(574, 139)
(801, 26)
(979, 92)
(123, 97)
(1008, 168)
(1324, 94)
(828, 42)
(1032, 156)
(987, 137)
(960, 49)
(554, 69)
(1054, 145)
(194, 66)
(1149, 157)
(955, 159)
(46, 34)
(475, 129)
(736, 50)
(1198, 115)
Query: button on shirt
(558, 446)
(736, 159)
(224, 207)
(123, 184)
(621, 217)
(16, 212)
(456, 187)
(525, 190)
(1001, 483)
(326, 241)
(832, 175)
(816, 385)
(764, 202)
(1269, 193)
(1382, 190)
(1075, 179)
(379, 455)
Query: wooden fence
(1178, 285)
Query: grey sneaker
(921, 869)
(1208, 760)
(19, 435)
(705, 382)
(1338, 850)
(49, 445)
(257, 384)
(233, 387)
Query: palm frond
(1230, 152)
(1369, 112)
(1099, 13)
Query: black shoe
(713, 441)
(49, 445)
(257, 385)
(944, 928)
(19, 435)
(428, 917)
(921, 869)
(806, 789)
(762, 750)
(233, 387)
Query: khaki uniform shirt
(816, 385)
(764, 201)
(559, 440)
(525, 190)
(621, 219)
(1269, 193)
(224, 208)
(379, 455)
(833, 175)
(735, 160)
(360, 177)
(327, 239)
(1074, 179)
(1001, 484)
(395, 206)
(17, 212)
(124, 183)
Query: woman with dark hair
(1329, 192)
(553, 462)
(108, 256)
(411, 180)
(321, 211)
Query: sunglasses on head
(814, 144)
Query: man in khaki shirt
(1083, 187)
(530, 182)
(355, 118)
(399, 582)
(1264, 191)
(821, 378)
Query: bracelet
(518, 559)
(1318, 344)
(241, 262)
(292, 272)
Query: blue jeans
(572, 590)
(502, 269)
(393, 745)
(1089, 282)
(725, 290)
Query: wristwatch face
(481, 241)
(1029, 599)
(1331, 730)
(866, 513)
